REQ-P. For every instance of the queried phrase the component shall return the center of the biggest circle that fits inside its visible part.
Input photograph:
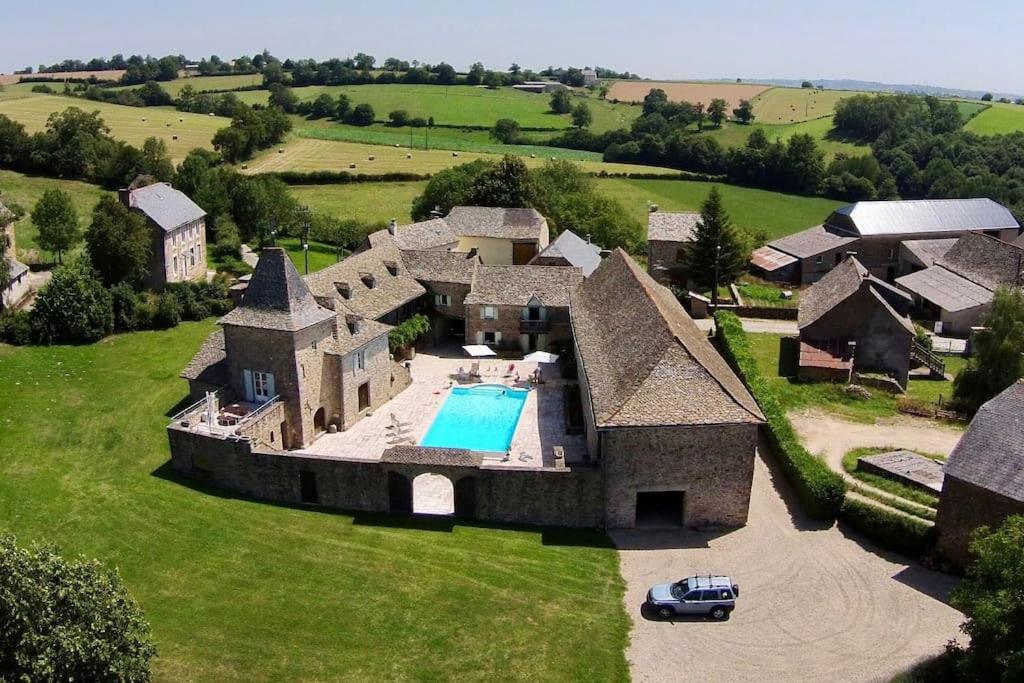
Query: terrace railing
(253, 417)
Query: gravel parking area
(817, 603)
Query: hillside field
(794, 105)
(305, 154)
(131, 124)
(207, 83)
(679, 91)
(999, 118)
(25, 191)
(108, 75)
(461, 105)
(733, 134)
(237, 590)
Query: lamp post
(714, 292)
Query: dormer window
(392, 267)
(355, 324)
(368, 279)
(343, 289)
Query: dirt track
(816, 604)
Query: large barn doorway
(319, 421)
(433, 494)
(657, 509)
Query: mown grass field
(998, 119)
(736, 135)
(25, 191)
(463, 105)
(368, 202)
(686, 91)
(793, 105)
(237, 590)
(131, 124)
(208, 83)
(306, 154)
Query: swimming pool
(481, 418)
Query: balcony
(534, 326)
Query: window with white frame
(442, 300)
(490, 313)
(360, 360)
(262, 385)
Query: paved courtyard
(434, 373)
(816, 604)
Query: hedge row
(890, 530)
(820, 489)
(341, 177)
(679, 175)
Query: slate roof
(575, 251)
(344, 342)
(485, 221)
(277, 298)
(441, 266)
(645, 361)
(389, 292)
(811, 242)
(165, 206)
(925, 252)
(672, 226)
(990, 454)
(985, 260)
(209, 365)
(17, 269)
(424, 455)
(922, 216)
(945, 289)
(838, 285)
(768, 259)
(518, 285)
(432, 234)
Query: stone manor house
(666, 424)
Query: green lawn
(829, 396)
(896, 488)
(791, 105)
(26, 190)
(776, 213)
(320, 255)
(369, 202)
(998, 118)
(239, 590)
(736, 134)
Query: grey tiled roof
(985, 260)
(990, 454)
(485, 221)
(389, 291)
(672, 226)
(425, 235)
(423, 455)
(842, 282)
(165, 206)
(344, 342)
(575, 251)
(925, 252)
(17, 269)
(209, 365)
(644, 359)
(517, 285)
(945, 289)
(277, 298)
(811, 242)
(922, 216)
(440, 266)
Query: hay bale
(408, 156)
(351, 165)
(174, 137)
(371, 157)
(455, 154)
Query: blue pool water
(481, 418)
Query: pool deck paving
(540, 428)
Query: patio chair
(511, 370)
(474, 369)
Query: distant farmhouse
(18, 288)
(879, 232)
(541, 87)
(984, 476)
(851, 320)
(669, 235)
(590, 77)
(178, 229)
(957, 289)
(299, 401)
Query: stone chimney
(124, 195)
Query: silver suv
(714, 596)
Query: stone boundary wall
(766, 312)
(566, 497)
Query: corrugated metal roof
(166, 206)
(924, 216)
(945, 289)
(769, 259)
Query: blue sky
(941, 42)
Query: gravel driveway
(816, 604)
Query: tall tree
(118, 243)
(998, 361)
(73, 308)
(744, 113)
(581, 116)
(717, 241)
(992, 599)
(5, 243)
(507, 184)
(716, 111)
(57, 222)
(560, 102)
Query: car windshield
(679, 590)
